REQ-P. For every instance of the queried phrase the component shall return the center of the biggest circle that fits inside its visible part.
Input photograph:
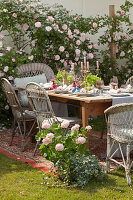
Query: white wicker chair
(130, 81)
(21, 117)
(41, 105)
(120, 130)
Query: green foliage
(63, 75)
(91, 79)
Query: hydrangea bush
(66, 148)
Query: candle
(85, 60)
(73, 67)
(88, 68)
(97, 65)
(81, 66)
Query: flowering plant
(66, 148)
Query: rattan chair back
(130, 81)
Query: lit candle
(81, 66)
(97, 65)
(88, 68)
(85, 60)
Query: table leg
(84, 114)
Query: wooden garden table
(88, 106)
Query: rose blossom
(76, 59)
(82, 34)
(6, 68)
(122, 53)
(45, 124)
(80, 140)
(118, 15)
(69, 32)
(131, 28)
(10, 78)
(25, 26)
(1, 36)
(123, 12)
(38, 24)
(78, 42)
(75, 127)
(65, 63)
(64, 27)
(65, 124)
(8, 48)
(83, 90)
(77, 51)
(57, 57)
(90, 47)
(88, 127)
(76, 31)
(35, 16)
(46, 140)
(61, 49)
(94, 25)
(14, 15)
(6, 107)
(59, 147)
(90, 55)
(1, 74)
(31, 57)
(48, 28)
(50, 135)
(95, 46)
(50, 18)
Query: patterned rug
(96, 145)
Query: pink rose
(76, 31)
(57, 57)
(78, 42)
(76, 59)
(50, 18)
(122, 54)
(59, 147)
(65, 124)
(90, 55)
(48, 28)
(131, 28)
(50, 135)
(45, 124)
(38, 24)
(1, 74)
(14, 15)
(94, 25)
(69, 32)
(1, 36)
(88, 127)
(6, 107)
(70, 36)
(47, 140)
(10, 78)
(95, 46)
(82, 34)
(64, 27)
(80, 140)
(67, 55)
(61, 49)
(90, 47)
(123, 12)
(77, 51)
(8, 48)
(31, 57)
(118, 15)
(65, 63)
(35, 16)
(75, 127)
(6, 68)
(25, 26)
(83, 90)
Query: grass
(19, 181)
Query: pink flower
(75, 127)
(45, 124)
(46, 140)
(35, 16)
(69, 32)
(59, 147)
(65, 124)
(6, 107)
(94, 25)
(50, 135)
(131, 28)
(6, 68)
(88, 127)
(14, 15)
(33, 42)
(80, 140)
(64, 27)
(90, 55)
(61, 49)
(1, 54)
(122, 54)
(67, 55)
(77, 51)
(118, 15)
(82, 34)
(65, 63)
(10, 78)
(78, 42)
(57, 57)
(31, 57)
(8, 48)
(123, 12)
(48, 28)
(1, 36)
(76, 59)
(70, 62)
(70, 36)
(38, 24)
(50, 18)
(83, 90)
(25, 26)
(1, 74)
(90, 47)
(76, 31)
(95, 46)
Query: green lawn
(19, 181)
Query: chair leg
(127, 169)
(108, 154)
(37, 144)
(103, 128)
(23, 137)
(13, 131)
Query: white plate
(120, 95)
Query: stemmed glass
(100, 85)
(114, 82)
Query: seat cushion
(22, 82)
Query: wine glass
(114, 82)
(100, 85)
